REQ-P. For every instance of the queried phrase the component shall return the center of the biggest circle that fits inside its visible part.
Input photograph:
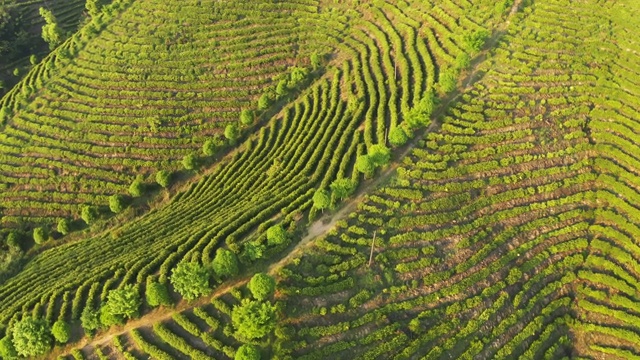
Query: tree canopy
(124, 302)
(397, 136)
(231, 132)
(136, 188)
(253, 319)
(116, 203)
(157, 294)
(321, 199)
(89, 214)
(61, 331)
(190, 162)
(246, 117)
(262, 286)
(7, 350)
(40, 235)
(276, 235)
(343, 188)
(51, 32)
(380, 154)
(365, 165)
(31, 337)
(190, 280)
(225, 263)
(247, 352)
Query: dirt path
(325, 223)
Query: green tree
(190, 280)
(321, 199)
(51, 32)
(157, 294)
(40, 235)
(190, 162)
(33, 59)
(163, 178)
(247, 352)
(365, 165)
(397, 136)
(316, 61)
(297, 75)
(225, 263)
(232, 132)
(124, 302)
(276, 235)
(31, 337)
(342, 188)
(420, 115)
(282, 88)
(448, 80)
(7, 350)
(253, 319)
(252, 251)
(474, 41)
(262, 286)
(136, 189)
(90, 319)
(264, 101)
(246, 117)
(89, 214)
(61, 331)
(380, 154)
(209, 148)
(64, 226)
(116, 203)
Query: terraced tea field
(509, 229)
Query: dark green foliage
(276, 235)
(397, 136)
(89, 214)
(253, 319)
(209, 148)
(232, 132)
(321, 199)
(7, 350)
(342, 188)
(40, 235)
(247, 352)
(190, 280)
(90, 319)
(163, 178)
(136, 189)
(116, 203)
(63, 226)
(246, 117)
(190, 162)
(51, 32)
(61, 331)
(225, 263)
(124, 302)
(31, 337)
(157, 294)
(262, 286)
(365, 165)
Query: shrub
(232, 132)
(397, 136)
(209, 148)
